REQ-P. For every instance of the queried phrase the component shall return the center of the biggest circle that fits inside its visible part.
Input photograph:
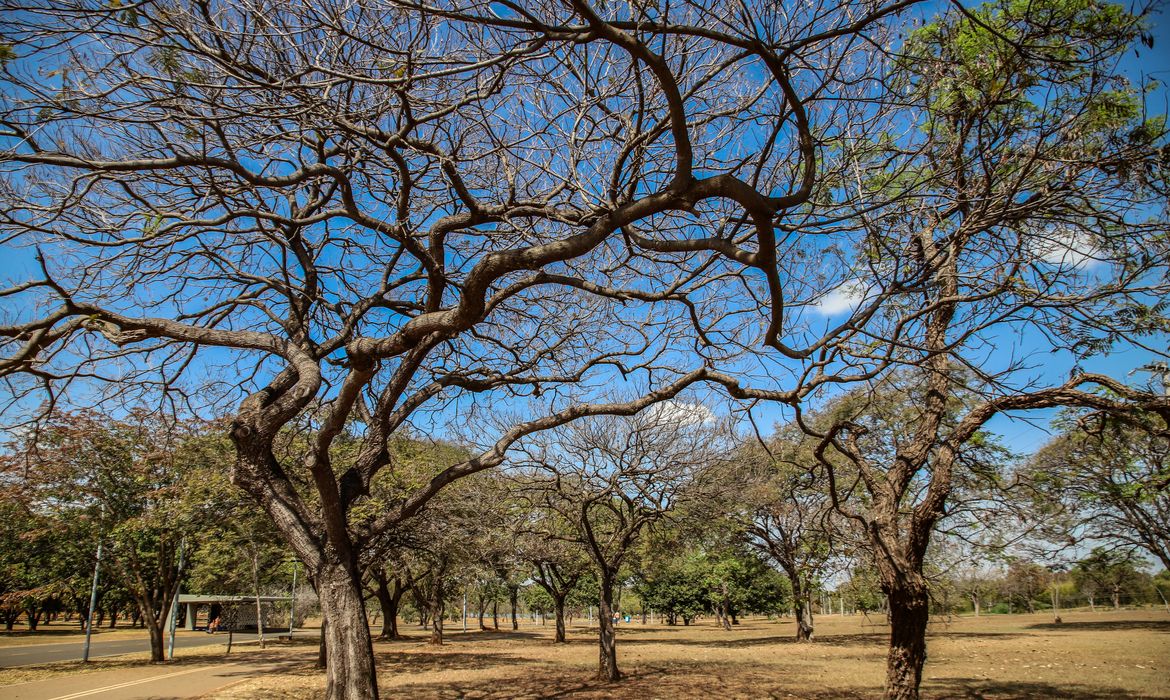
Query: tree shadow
(645, 681)
(441, 660)
(1105, 625)
(837, 640)
(1017, 690)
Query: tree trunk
(388, 602)
(349, 669)
(607, 668)
(157, 646)
(802, 609)
(33, 618)
(559, 608)
(909, 613)
(1116, 595)
(513, 598)
(495, 614)
(322, 656)
(975, 604)
(436, 613)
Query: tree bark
(607, 667)
(559, 609)
(157, 646)
(909, 614)
(349, 671)
(436, 614)
(388, 601)
(802, 609)
(513, 598)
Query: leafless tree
(787, 515)
(612, 477)
(380, 213)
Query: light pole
(97, 565)
(175, 601)
(292, 600)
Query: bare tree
(372, 212)
(788, 516)
(613, 477)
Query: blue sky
(1020, 434)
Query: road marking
(140, 681)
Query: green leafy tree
(1106, 478)
(1112, 572)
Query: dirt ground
(1090, 656)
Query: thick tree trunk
(349, 667)
(157, 647)
(559, 609)
(607, 668)
(33, 616)
(388, 602)
(909, 613)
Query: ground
(1090, 656)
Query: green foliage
(695, 582)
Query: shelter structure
(236, 612)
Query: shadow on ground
(639, 682)
(1105, 625)
(981, 688)
(442, 660)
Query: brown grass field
(1090, 656)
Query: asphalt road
(71, 651)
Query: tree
(413, 217)
(1019, 190)
(131, 481)
(1025, 583)
(1106, 480)
(555, 556)
(611, 478)
(790, 516)
(1110, 572)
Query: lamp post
(292, 600)
(97, 565)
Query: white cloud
(1062, 247)
(846, 297)
(680, 413)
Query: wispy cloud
(1063, 247)
(846, 297)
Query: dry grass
(61, 631)
(1092, 656)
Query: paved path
(176, 680)
(71, 651)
